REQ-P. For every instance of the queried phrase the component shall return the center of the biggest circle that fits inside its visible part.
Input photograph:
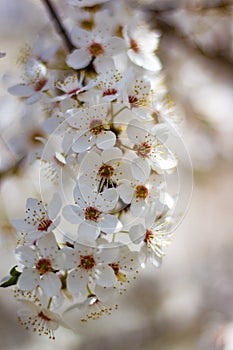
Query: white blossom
(40, 219)
(92, 125)
(90, 264)
(37, 82)
(91, 212)
(40, 265)
(98, 45)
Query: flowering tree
(110, 153)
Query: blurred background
(187, 304)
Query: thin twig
(58, 25)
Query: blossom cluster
(103, 149)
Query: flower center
(141, 192)
(72, 92)
(96, 126)
(133, 100)
(143, 150)
(121, 277)
(39, 84)
(96, 49)
(106, 171)
(148, 236)
(44, 317)
(110, 92)
(87, 262)
(43, 266)
(44, 224)
(92, 214)
(115, 268)
(134, 45)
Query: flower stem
(49, 302)
(58, 25)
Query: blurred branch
(163, 23)
(158, 14)
(58, 24)
(13, 169)
(161, 7)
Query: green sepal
(14, 275)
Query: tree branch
(58, 25)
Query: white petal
(101, 62)
(47, 245)
(91, 162)
(140, 169)
(166, 164)
(104, 276)
(27, 308)
(107, 200)
(83, 194)
(106, 140)
(54, 206)
(79, 198)
(111, 154)
(80, 37)
(22, 226)
(73, 214)
(136, 131)
(77, 281)
(33, 98)
(108, 253)
(109, 224)
(126, 192)
(84, 142)
(21, 90)
(28, 280)
(78, 59)
(88, 232)
(147, 61)
(26, 256)
(137, 233)
(50, 283)
(138, 207)
(114, 45)
(74, 117)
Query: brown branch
(161, 7)
(58, 25)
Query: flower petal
(21, 90)
(107, 200)
(26, 256)
(84, 142)
(77, 281)
(54, 206)
(126, 192)
(111, 154)
(47, 245)
(110, 224)
(106, 140)
(88, 232)
(78, 59)
(28, 280)
(73, 214)
(137, 233)
(140, 169)
(50, 283)
(104, 276)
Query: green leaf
(14, 275)
(14, 272)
